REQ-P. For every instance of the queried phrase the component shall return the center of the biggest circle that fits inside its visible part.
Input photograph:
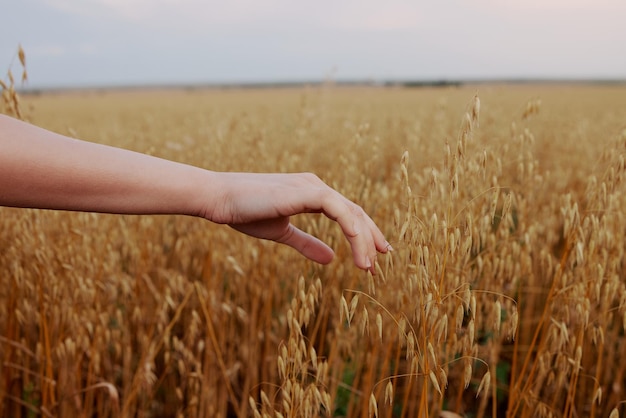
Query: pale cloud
(588, 5)
(375, 15)
(553, 6)
(47, 50)
(53, 50)
(148, 10)
(196, 15)
(81, 8)
(206, 15)
(276, 39)
(86, 48)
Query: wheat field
(504, 295)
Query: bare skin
(44, 170)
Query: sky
(100, 43)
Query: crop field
(505, 294)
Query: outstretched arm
(42, 169)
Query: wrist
(203, 191)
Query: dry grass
(9, 98)
(504, 295)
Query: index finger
(364, 236)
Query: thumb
(309, 246)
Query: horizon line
(407, 83)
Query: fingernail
(368, 263)
(389, 247)
(356, 229)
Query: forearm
(41, 169)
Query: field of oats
(505, 295)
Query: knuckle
(357, 210)
(287, 235)
(311, 177)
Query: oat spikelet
(353, 304)
(460, 315)
(313, 356)
(379, 325)
(252, 403)
(373, 406)
(405, 158)
(389, 393)
(431, 351)
(467, 374)
(475, 111)
(494, 205)
(514, 322)
(433, 379)
(447, 158)
(443, 377)
(365, 322)
(410, 345)
(265, 401)
(485, 382)
(282, 369)
(404, 163)
(597, 397)
(402, 330)
(470, 331)
(497, 312)
(22, 57)
(344, 312)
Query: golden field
(505, 295)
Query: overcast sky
(125, 42)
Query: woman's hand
(260, 205)
(45, 170)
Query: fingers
(309, 246)
(367, 243)
(365, 238)
(279, 196)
